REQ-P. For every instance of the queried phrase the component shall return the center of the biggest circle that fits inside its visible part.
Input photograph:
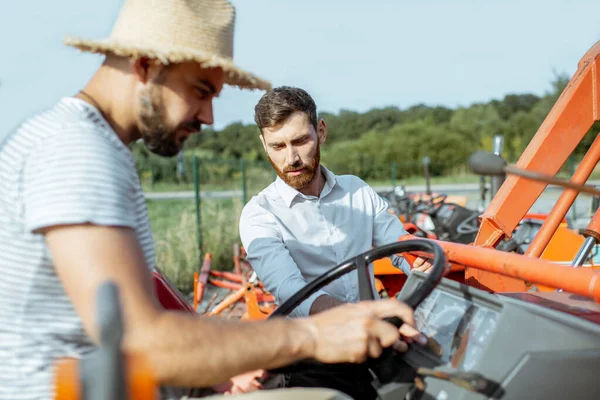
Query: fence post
(426, 163)
(180, 166)
(393, 174)
(198, 218)
(244, 184)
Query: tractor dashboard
(525, 345)
(458, 328)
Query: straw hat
(175, 31)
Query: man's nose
(293, 155)
(205, 113)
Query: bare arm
(180, 346)
(188, 350)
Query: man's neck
(107, 91)
(315, 187)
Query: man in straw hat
(73, 215)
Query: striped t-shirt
(63, 166)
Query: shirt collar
(289, 194)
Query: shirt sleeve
(74, 178)
(387, 228)
(269, 257)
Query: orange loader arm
(570, 119)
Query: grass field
(174, 229)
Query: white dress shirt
(291, 238)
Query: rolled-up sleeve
(269, 257)
(387, 228)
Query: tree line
(367, 143)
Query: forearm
(323, 303)
(187, 350)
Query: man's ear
(146, 69)
(322, 131)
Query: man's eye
(203, 93)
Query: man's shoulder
(354, 186)
(262, 200)
(349, 181)
(68, 128)
(65, 112)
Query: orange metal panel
(563, 246)
(385, 267)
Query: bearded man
(310, 220)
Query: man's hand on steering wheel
(425, 265)
(354, 332)
(421, 264)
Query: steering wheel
(469, 226)
(361, 262)
(430, 206)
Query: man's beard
(153, 128)
(306, 177)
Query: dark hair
(276, 106)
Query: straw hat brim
(234, 76)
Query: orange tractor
(523, 324)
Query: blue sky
(348, 54)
